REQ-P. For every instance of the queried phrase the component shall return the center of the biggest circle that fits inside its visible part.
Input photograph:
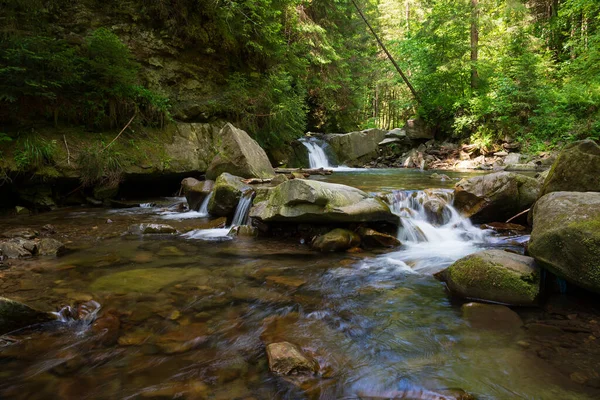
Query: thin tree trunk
(474, 42)
(404, 78)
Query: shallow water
(189, 318)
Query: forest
(482, 69)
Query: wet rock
(15, 315)
(146, 229)
(336, 240)
(22, 210)
(107, 327)
(50, 247)
(307, 201)
(495, 197)
(243, 231)
(566, 236)
(491, 316)
(441, 177)
(239, 154)
(14, 249)
(370, 238)
(496, 276)
(258, 294)
(227, 193)
(21, 233)
(285, 281)
(183, 340)
(286, 359)
(195, 191)
(576, 169)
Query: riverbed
(166, 316)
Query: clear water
(190, 319)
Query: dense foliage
(484, 69)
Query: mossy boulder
(227, 191)
(195, 191)
(15, 315)
(239, 154)
(495, 197)
(315, 202)
(336, 240)
(50, 247)
(496, 276)
(576, 169)
(566, 236)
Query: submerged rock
(491, 316)
(336, 240)
(144, 280)
(496, 276)
(306, 201)
(15, 315)
(566, 236)
(23, 233)
(286, 358)
(195, 191)
(227, 192)
(495, 197)
(243, 231)
(576, 169)
(145, 229)
(239, 154)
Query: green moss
(484, 278)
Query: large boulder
(239, 154)
(227, 192)
(496, 276)
(306, 201)
(336, 240)
(418, 129)
(495, 197)
(577, 169)
(193, 146)
(356, 148)
(15, 315)
(566, 236)
(195, 191)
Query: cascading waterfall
(204, 206)
(432, 232)
(240, 217)
(316, 154)
(243, 208)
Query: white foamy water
(432, 232)
(208, 234)
(316, 153)
(173, 215)
(240, 217)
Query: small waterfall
(432, 232)
(316, 153)
(204, 206)
(240, 217)
(243, 208)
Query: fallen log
(309, 171)
(255, 181)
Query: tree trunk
(474, 42)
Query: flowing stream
(163, 316)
